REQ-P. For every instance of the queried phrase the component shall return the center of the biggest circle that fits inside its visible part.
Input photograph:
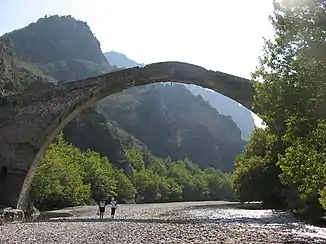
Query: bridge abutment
(10, 187)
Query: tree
(256, 173)
(125, 192)
(304, 172)
(69, 177)
(175, 191)
(157, 165)
(293, 67)
(135, 158)
(99, 175)
(291, 97)
(146, 186)
(58, 181)
(220, 186)
(190, 178)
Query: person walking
(101, 206)
(114, 206)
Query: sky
(223, 35)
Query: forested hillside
(228, 107)
(173, 122)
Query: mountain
(91, 130)
(158, 119)
(174, 123)
(7, 69)
(224, 105)
(16, 75)
(120, 60)
(61, 47)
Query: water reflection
(256, 218)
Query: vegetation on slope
(61, 47)
(91, 130)
(69, 177)
(228, 107)
(173, 122)
(285, 165)
(16, 75)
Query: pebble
(149, 223)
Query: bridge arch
(30, 123)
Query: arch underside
(29, 123)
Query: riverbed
(191, 222)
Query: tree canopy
(68, 177)
(285, 164)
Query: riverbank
(199, 222)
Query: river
(191, 222)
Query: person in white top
(101, 206)
(114, 206)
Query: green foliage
(149, 185)
(68, 177)
(59, 178)
(158, 166)
(322, 198)
(304, 172)
(190, 177)
(219, 185)
(256, 174)
(182, 180)
(99, 175)
(126, 191)
(292, 101)
(135, 158)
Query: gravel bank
(166, 223)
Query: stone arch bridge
(30, 122)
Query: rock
(150, 223)
(10, 215)
(6, 68)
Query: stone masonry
(29, 122)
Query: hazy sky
(224, 35)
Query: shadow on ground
(269, 220)
(275, 217)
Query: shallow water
(259, 219)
